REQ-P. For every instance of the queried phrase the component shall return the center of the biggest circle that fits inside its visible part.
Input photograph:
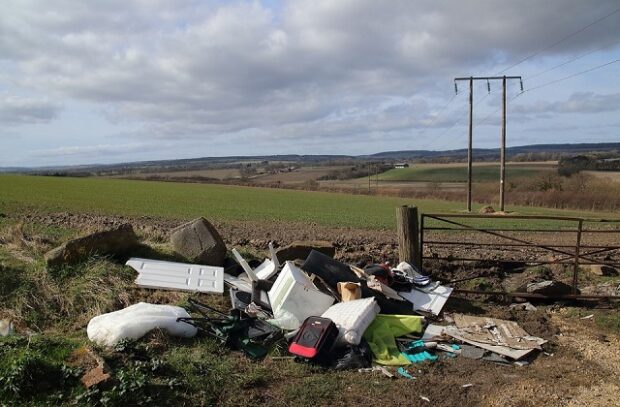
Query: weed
(606, 320)
(33, 368)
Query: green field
(440, 173)
(219, 202)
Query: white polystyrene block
(352, 318)
(136, 320)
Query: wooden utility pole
(502, 154)
(408, 234)
(471, 80)
(471, 142)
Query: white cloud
(578, 102)
(16, 110)
(92, 150)
(320, 69)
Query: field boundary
(571, 249)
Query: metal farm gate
(532, 240)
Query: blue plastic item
(401, 371)
(452, 355)
(416, 352)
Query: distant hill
(480, 154)
(494, 152)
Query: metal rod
(486, 259)
(551, 249)
(439, 216)
(421, 240)
(451, 242)
(531, 230)
(532, 295)
(576, 266)
(590, 253)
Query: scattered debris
(294, 293)
(525, 306)
(506, 338)
(548, 287)
(431, 301)
(331, 314)
(591, 316)
(601, 270)
(381, 369)
(315, 339)
(117, 242)
(6, 327)
(352, 318)
(299, 250)
(404, 373)
(96, 371)
(252, 336)
(374, 284)
(425, 399)
(382, 333)
(349, 291)
(177, 276)
(416, 352)
(199, 242)
(245, 266)
(135, 321)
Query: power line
(573, 75)
(458, 120)
(567, 62)
(561, 40)
(487, 117)
(438, 115)
(548, 84)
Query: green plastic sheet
(381, 335)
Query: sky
(84, 82)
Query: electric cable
(561, 40)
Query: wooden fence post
(408, 234)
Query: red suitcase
(316, 338)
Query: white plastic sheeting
(352, 318)
(135, 321)
(432, 301)
(178, 276)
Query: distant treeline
(572, 165)
(356, 171)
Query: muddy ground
(579, 367)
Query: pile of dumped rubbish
(369, 317)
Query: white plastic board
(431, 302)
(178, 276)
(266, 270)
(244, 265)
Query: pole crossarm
(486, 78)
